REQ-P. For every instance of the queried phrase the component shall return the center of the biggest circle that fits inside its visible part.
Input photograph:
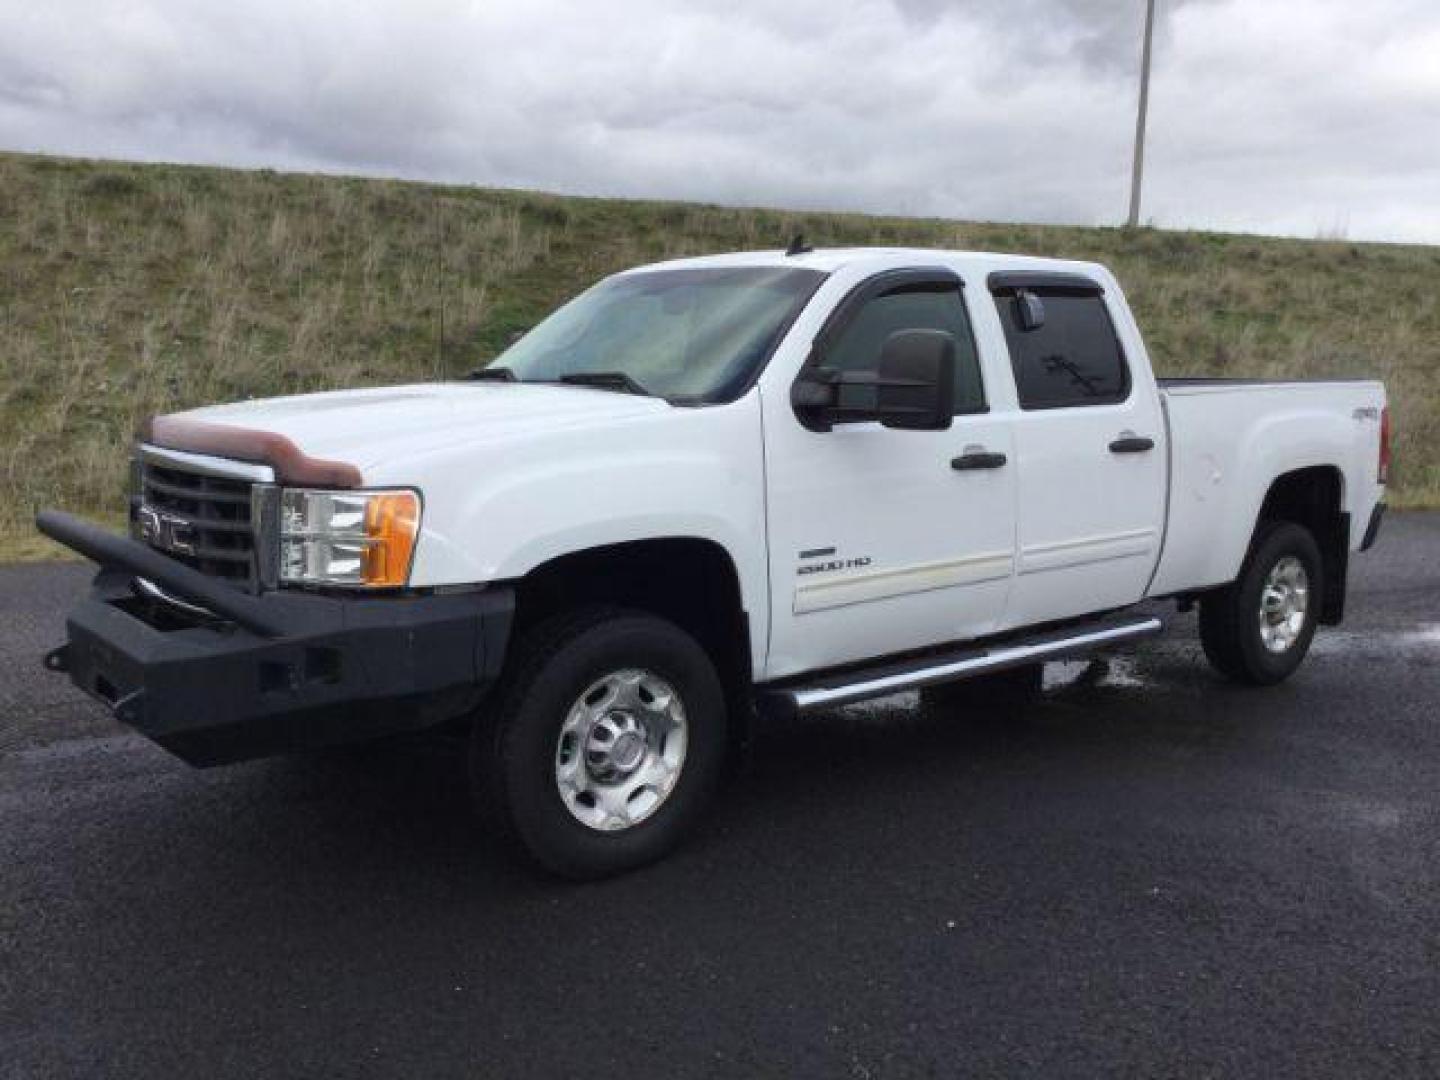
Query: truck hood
(366, 428)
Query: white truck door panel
(1090, 445)
(878, 542)
(877, 545)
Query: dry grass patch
(132, 289)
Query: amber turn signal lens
(392, 522)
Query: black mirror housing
(1030, 310)
(913, 389)
(916, 385)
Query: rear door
(1089, 443)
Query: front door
(885, 540)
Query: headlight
(363, 538)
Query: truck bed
(1228, 438)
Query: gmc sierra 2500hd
(700, 492)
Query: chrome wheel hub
(621, 749)
(1284, 601)
(615, 746)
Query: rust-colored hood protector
(291, 464)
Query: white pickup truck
(701, 492)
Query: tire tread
(1226, 618)
(538, 645)
(503, 745)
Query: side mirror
(913, 389)
(1029, 310)
(916, 387)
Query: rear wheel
(606, 745)
(1258, 629)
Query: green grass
(129, 289)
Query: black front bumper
(307, 671)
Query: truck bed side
(1231, 440)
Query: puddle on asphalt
(1118, 672)
(1114, 672)
(1125, 672)
(1423, 640)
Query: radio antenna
(798, 246)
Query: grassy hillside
(132, 289)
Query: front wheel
(606, 746)
(1258, 629)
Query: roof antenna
(798, 246)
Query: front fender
(685, 473)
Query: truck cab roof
(877, 259)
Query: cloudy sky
(1308, 117)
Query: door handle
(977, 458)
(1130, 443)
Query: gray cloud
(1293, 116)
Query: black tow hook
(58, 659)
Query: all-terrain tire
(1233, 627)
(516, 744)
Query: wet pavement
(1147, 872)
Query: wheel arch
(688, 580)
(1314, 497)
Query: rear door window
(1073, 358)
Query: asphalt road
(1149, 872)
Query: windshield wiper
(492, 374)
(605, 380)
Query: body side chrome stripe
(902, 581)
(1090, 549)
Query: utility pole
(1138, 169)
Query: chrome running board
(848, 687)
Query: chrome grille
(201, 520)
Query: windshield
(698, 334)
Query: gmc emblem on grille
(166, 531)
